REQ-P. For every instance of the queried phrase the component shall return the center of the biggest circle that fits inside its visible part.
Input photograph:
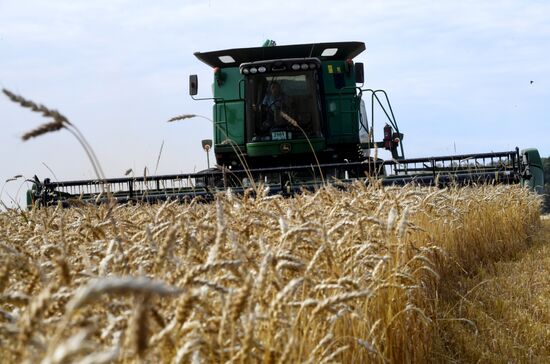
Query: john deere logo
(285, 147)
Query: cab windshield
(270, 97)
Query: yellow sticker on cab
(329, 68)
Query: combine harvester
(293, 117)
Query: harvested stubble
(504, 310)
(332, 276)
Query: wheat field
(355, 276)
(504, 309)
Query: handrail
(392, 120)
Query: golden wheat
(331, 276)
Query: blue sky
(458, 74)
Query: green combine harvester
(295, 117)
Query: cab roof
(323, 51)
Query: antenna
(311, 50)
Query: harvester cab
(294, 105)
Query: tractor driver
(275, 98)
(273, 102)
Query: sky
(458, 74)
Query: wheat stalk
(295, 124)
(119, 286)
(60, 122)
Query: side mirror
(193, 85)
(359, 73)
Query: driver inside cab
(275, 98)
(274, 101)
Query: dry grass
(505, 310)
(327, 277)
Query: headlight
(312, 66)
(245, 71)
(253, 70)
(262, 69)
(295, 67)
(304, 66)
